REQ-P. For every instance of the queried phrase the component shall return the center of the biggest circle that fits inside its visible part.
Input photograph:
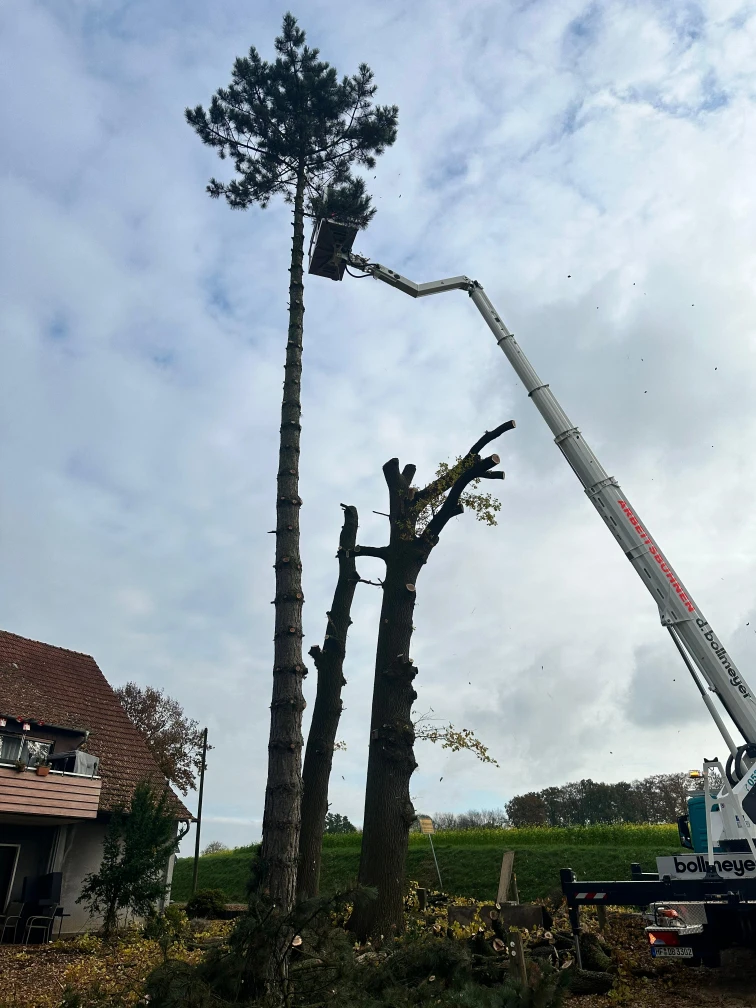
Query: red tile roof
(65, 688)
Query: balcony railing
(63, 795)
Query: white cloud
(591, 165)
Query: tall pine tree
(292, 128)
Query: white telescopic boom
(678, 612)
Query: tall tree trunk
(329, 662)
(283, 794)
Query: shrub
(169, 928)
(208, 903)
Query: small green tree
(335, 823)
(138, 842)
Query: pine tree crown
(293, 123)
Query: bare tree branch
(490, 436)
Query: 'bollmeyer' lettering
(722, 655)
(700, 865)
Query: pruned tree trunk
(329, 662)
(391, 758)
(391, 761)
(283, 793)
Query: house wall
(75, 850)
(36, 844)
(78, 851)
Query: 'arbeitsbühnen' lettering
(658, 557)
(735, 681)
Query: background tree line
(472, 819)
(660, 798)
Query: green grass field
(469, 859)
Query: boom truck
(704, 900)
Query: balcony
(59, 795)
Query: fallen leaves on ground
(36, 976)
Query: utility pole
(199, 812)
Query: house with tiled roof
(69, 756)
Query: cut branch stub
(380, 552)
(293, 703)
(401, 668)
(287, 562)
(288, 632)
(289, 597)
(292, 669)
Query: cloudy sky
(591, 164)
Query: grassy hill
(469, 860)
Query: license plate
(672, 951)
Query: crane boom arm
(678, 612)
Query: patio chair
(42, 921)
(9, 920)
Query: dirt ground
(733, 985)
(33, 977)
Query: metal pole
(704, 693)
(711, 871)
(199, 813)
(438, 870)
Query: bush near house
(207, 904)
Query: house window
(30, 751)
(10, 748)
(35, 751)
